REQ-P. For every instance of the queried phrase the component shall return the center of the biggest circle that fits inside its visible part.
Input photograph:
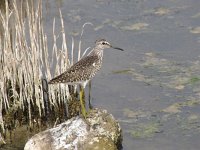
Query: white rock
(99, 131)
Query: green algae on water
(145, 130)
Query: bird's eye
(104, 43)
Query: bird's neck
(97, 52)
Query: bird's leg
(89, 97)
(83, 110)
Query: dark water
(153, 87)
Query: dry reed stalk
(24, 59)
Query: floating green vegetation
(192, 122)
(176, 107)
(109, 22)
(194, 80)
(161, 11)
(175, 78)
(135, 27)
(197, 15)
(145, 130)
(195, 30)
(163, 72)
(125, 71)
(134, 114)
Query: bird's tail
(54, 81)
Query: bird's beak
(117, 48)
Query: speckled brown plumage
(81, 71)
(86, 68)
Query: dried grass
(25, 60)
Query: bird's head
(102, 43)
